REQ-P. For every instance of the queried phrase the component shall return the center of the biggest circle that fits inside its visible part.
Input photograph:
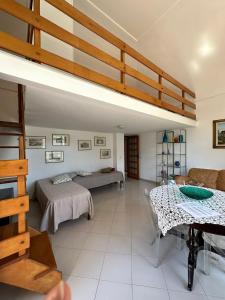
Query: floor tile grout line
(102, 264)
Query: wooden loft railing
(37, 23)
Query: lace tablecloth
(164, 200)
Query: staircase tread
(12, 259)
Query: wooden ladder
(26, 256)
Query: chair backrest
(15, 238)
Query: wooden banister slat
(122, 73)
(87, 22)
(160, 82)
(22, 48)
(18, 243)
(37, 33)
(183, 95)
(14, 206)
(178, 110)
(11, 168)
(21, 187)
(145, 61)
(145, 79)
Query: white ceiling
(135, 17)
(50, 108)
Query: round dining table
(166, 203)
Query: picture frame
(105, 153)
(54, 156)
(84, 145)
(36, 142)
(60, 139)
(219, 134)
(100, 141)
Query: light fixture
(205, 49)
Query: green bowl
(196, 192)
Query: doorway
(131, 154)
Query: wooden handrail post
(37, 32)
(160, 82)
(183, 95)
(122, 73)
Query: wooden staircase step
(36, 270)
(10, 124)
(11, 230)
(24, 274)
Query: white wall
(74, 160)
(8, 101)
(147, 146)
(200, 152)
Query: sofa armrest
(182, 179)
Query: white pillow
(61, 179)
(83, 173)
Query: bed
(97, 179)
(62, 202)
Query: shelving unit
(171, 158)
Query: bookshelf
(171, 157)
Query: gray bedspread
(98, 179)
(62, 202)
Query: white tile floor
(111, 256)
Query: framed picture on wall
(105, 153)
(84, 145)
(54, 156)
(100, 141)
(36, 142)
(60, 139)
(219, 134)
